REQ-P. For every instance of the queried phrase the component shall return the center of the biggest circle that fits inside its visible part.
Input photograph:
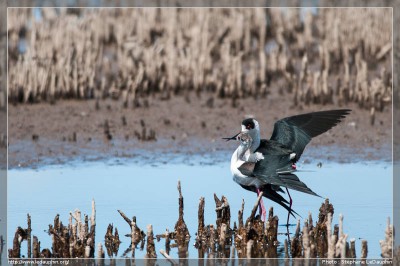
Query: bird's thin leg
(290, 206)
(288, 236)
(287, 222)
(261, 207)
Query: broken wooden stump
(342, 247)
(136, 234)
(271, 235)
(201, 236)
(331, 238)
(181, 233)
(200, 228)
(79, 235)
(36, 247)
(306, 242)
(320, 229)
(150, 248)
(46, 253)
(286, 249)
(167, 235)
(352, 254)
(295, 246)
(90, 242)
(240, 232)
(364, 250)
(240, 214)
(181, 230)
(255, 230)
(111, 241)
(387, 243)
(223, 230)
(249, 249)
(223, 211)
(19, 236)
(60, 241)
(212, 239)
(29, 231)
(224, 242)
(100, 255)
(311, 233)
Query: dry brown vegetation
(334, 56)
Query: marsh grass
(333, 56)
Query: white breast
(238, 177)
(236, 162)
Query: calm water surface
(362, 192)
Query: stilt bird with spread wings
(273, 162)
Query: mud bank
(179, 127)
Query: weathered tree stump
(295, 247)
(150, 249)
(223, 212)
(29, 231)
(364, 250)
(111, 241)
(320, 230)
(36, 247)
(136, 234)
(181, 230)
(19, 236)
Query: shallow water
(362, 192)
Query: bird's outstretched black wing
(296, 132)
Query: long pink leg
(290, 205)
(261, 207)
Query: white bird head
(252, 127)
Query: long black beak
(232, 138)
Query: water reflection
(361, 192)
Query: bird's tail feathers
(274, 196)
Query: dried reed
(128, 54)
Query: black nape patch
(248, 123)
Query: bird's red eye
(248, 126)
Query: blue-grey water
(362, 192)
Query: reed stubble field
(80, 79)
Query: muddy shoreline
(182, 127)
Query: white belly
(238, 177)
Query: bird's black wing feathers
(276, 156)
(293, 182)
(289, 180)
(296, 132)
(271, 194)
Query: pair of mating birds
(261, 165)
